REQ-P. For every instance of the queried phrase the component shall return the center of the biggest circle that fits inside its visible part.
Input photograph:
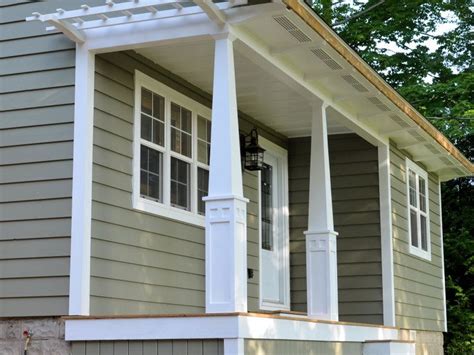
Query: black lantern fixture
(251, 152)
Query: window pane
(203, 152)
(180, 184)
(412, 188)
(186, 144)
(175, 115)
(154, 163)
(203, 185)
(424, 236)
(145, 127)
(186, 120)
(158, 107)
(158, 132)
(202, 128)
(267, 207)
(151, 165)
(175, 140)
(413, 228)
(143, 182)
(146, 101)
(154, 186)
(422, 194)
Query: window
(171, 152)
(266, 199)
(418, 210)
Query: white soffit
(260, 94)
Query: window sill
(420, 253)
(161, 210)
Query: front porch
(206, 273)
(232, 333)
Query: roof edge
(336, 42)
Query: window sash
(167, 150)
(418, 209)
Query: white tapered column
(226, 208)
(321, 252)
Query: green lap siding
(286, 347)
(150, 347)
(355, 194)
(36, 134)
(144, 263)
(419, 302)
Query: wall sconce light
(251, 153)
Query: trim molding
(222, 326)
(385, 198)
(79, 280)
(442, 257)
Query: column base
(321, 275)
(226, 254)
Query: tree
(394, 37)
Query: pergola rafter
(73, 22)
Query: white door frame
(282, 156)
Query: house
(129, 225)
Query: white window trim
(418, 251)
(164, 208)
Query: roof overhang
(454, 157)
(288, 40)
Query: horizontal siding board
(146, 292)
(37, 116)
(110, 269)
(47, 228)
(53, 208)
(35, 135)
(38, 190)
(117, 306)
(39, 306)
(27, 46)
(28, 268)
(34, 287)
(37, 62)
(38, 98)
(148, 257)
(54, 170)
(34, 248)
(37, 80)
(188, 245)
(35, 153)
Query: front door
(274, 252)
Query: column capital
(229, 35)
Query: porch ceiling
(260, 94)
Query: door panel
(274, 255)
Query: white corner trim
(221, 327)
(442, 257)
(79, 281)
(386, 235)
(418, 251)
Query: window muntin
(169, 179)
(418, 216)
(266, 177)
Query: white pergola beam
(212, 11)
(69, 30)
(103, 9)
